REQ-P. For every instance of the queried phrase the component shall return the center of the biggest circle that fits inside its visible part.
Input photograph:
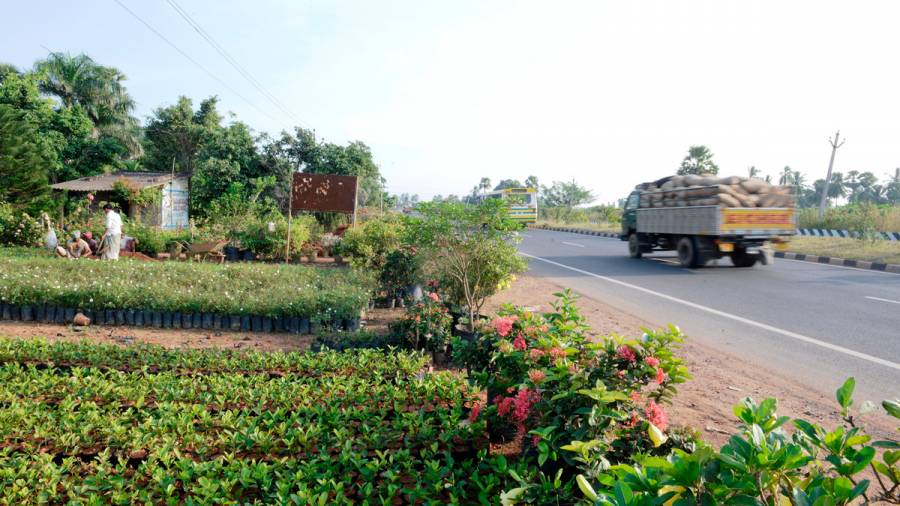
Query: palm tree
(786, 177)
(752, 171)
(698, 161)
(100, 91)
(484, 184)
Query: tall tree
(24, 159)
(99, 90)
(566, 194)
(786, 176)
(177, 133)
(508, 183)
(698, 161)
(484, 184)
(752, 171)
(531, 182)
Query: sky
(609, 94)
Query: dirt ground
(720, 380)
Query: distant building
(170, 213)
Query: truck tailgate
(758, 221)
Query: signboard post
(323, 193)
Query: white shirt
(114, 223)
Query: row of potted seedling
(46, 313)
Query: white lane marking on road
(723, 314)
(573, 244)
(883, 300)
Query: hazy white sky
(608, 93)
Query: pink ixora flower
(635, 396)
(626, 353)
(434, 296)
(657, 416)
(660, 376)
(652, 361)
(535, 439)
(503, 325)
(536, 376)
(557, 352)
(535, 354)
(476, 409)
(519, 343)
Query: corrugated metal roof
(105, 182)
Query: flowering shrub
(763, 465)
(18, 229)
(579, 398)
(426, 325)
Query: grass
(599, 227)
(858, 217)
(850, 249)
(29, 277)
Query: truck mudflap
(758, 221)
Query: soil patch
(720, 380)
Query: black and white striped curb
(859, 264)
(824, 232)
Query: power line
(195, 62)
(231, 61)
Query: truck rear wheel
(634, 246)
(688, 252)
(740, 258)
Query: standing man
(112, 236)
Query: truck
(706, 232)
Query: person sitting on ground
(76, 247)
(89, 239)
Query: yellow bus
(522, 203)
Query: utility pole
(835, 144)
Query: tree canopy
(565, 194)
(698, 161)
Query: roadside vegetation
(853, 249)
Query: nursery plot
(29, 279)
(86, 423)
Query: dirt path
(720, 380)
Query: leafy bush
(425, 325)
(402, 268)
(363, 339)
(269, 290)
(369, 243)
(18, 228)
(469, 250)
(763, 465)
(256, 236)
(865, 217)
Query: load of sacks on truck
(710, 190)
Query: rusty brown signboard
(323, 192)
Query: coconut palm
(100, 91)
(786, 177)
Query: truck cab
(629, 216)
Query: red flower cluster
(503, 325)
(657, 416)
(660, 376)
(557, 352)
(519, 343)
(517, 407)
(626, 353)
(476, 409)
(536, 376)
(434, 296)
(652, 361)
(536, 354)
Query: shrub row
(277, 291)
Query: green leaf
(586, 488)
(511, 497)
(845, 393)
(892, 407)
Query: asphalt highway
(814, 323)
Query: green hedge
(259, 289)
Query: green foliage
(23, 159)
(565, 194)
(402, 268)
(273, 290)
(602, 214)
(861, 218)
(425, 325)
(699, 160)
(361, 427)
(469, 250)
(763, 465)
(18, 228)
(369, 243)
(177, 132)
(153, 240)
